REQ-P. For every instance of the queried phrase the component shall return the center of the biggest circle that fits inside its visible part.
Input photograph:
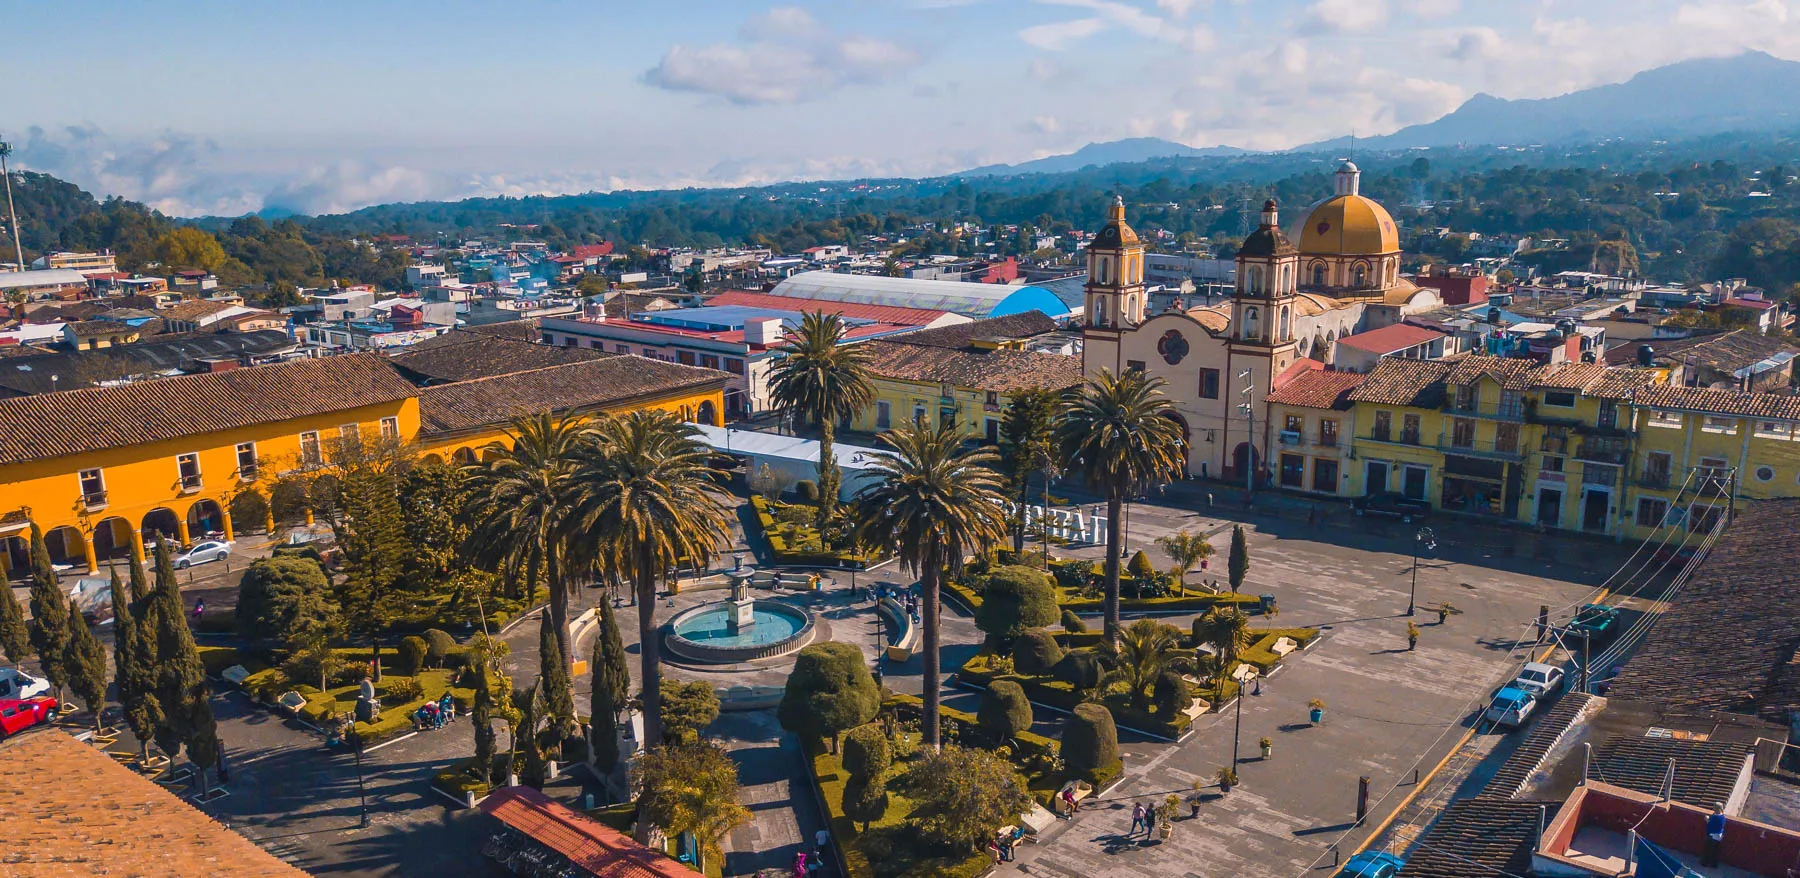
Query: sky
(225, 108)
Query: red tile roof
(1779, 406)
(880, 313)
(589, 845)
(1390, 339)
(1318, 389)
(1757, 304)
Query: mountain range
(1705, 96)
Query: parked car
(203, 552)
(19, 714)
(1595, 619)
(1372, 864)
(1390, 503)
(1539, 679)
(1511, 707)
(16, 684)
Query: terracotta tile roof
(1480, 836)
(1724, 352)
(1024, 324)
(1394, 381)
(577, 387)
(1318, 390)
(1390, 339)
(1213, 319)
(1729, 644)
(78, 421)
(1622, 384)
(521, 330)
(195, 310)
(73, 811)
(1567, 376)
(895, 314)
(460, 355)
(1001, 371)
(1705, 771)
(1509, 373)
(588, 845)
(1777, 406)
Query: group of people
(435, 714)
(906, 597)
(1002, 845)
(1143, 819)
(812, 864)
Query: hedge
(266, 684)
(788, 555)
(1062, 696)
(1198, 603)
(830, 778)
(1261, 653)
(1030, 743)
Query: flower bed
(799, 545)
(1071, 599)
(266, 684)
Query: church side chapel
(1290, 306)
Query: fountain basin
(706, 633)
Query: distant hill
(1134, 149)
(1749, 92)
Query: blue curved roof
(972, 300)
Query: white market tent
(797, 457)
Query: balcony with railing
(1599, 474)
(93, 500)
(1298, 438)
(249, 472)
(1450, 443)
(190, 482)
(1653, 479)
(1600, 451)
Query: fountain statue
(743, 606)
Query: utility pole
(1249, 410)
(1238, 729)
(18, 247)
(1426, 538)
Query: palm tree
(646, 501)
(1116, 431)
(520, 507)
(1185, 549)
(1028, 446)
(1145, 651)
(1226, 629)
(936, 504)
(825, 381)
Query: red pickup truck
(19, 714)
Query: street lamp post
(18, 246)
(1429, 540)
(1238, 729)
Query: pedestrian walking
(1070, 806)
(800, 865)
(1137, 818)
(1715, 836)
(199, 610)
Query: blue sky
(217, 107)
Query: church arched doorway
(1187, 442)
(1243, 459)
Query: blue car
(1511, 707)
(1372, 864)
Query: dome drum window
(1765, 473)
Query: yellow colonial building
(1696, 449)
(102, 470)
(963, 374)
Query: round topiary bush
(807, 490)
(1080, 668)
(1169, 695)
(1036, 652)
(1015, 598)
(830, 691)
(866, 753)
(1140, 566)
(1004, 711)
(438, 644)
(1090, 743)
(1072, 623)
(410, 658)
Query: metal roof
(44, 277)
(969, 299)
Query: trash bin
(1268, 603)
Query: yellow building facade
(1698, 449)
(103, 471)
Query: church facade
(1292, 302)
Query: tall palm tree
(646, 501)
(520, 508)
(1028, 446)
(1227, 630)
(1146, 650)
(824, 381)
(1116, 431)
(1185, 549)
(936, 504)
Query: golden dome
(1349, 225)
(1116, 234)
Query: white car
(202, 552)
(16, 684)
(1539, 679)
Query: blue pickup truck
(1597, 620)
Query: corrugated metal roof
(43, 277)
(970, 299)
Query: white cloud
(1059, 35)
(1176, 8)
(1345, 16)
(786, 56)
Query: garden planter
(1224, 787)
(1268, 750)
(1165, 830)
(1318, 716)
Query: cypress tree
(530, 705)
(558, 689)
(49, 615)
(85, 661)
(181, 687)
(482, 714)
(612, 686)
(134, 657)
(15, 642)
(1239, 563)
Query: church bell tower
(1115, 282)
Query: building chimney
(763, 331)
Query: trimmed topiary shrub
(866, 753)
(1004, 711)
(410, 657)
(830, 691)
(865, 801)
(1090, 743)
(1080, 668)
(1036, 652)
(1072, 623)
(1013, 599)
(438, 644)
(807, 490)
(1169, 695)
(1140, 566)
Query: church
(1291, 303)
